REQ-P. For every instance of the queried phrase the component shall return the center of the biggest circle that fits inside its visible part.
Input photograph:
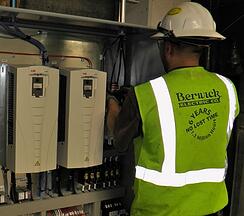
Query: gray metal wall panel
(144, 61)
(56, 44)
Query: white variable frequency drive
(32, 118)
(81, 117)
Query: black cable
(58, 182)
(120, 56)
(42, 182)
(16, 32)
(14, 37)
(114, 66)
(73, 182)
(29, 184)
(13, 192)
(106, 49)
(70, 182)
(120, 61)
(36, 43)
(110, 46)
(124, 60)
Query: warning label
(37, 163)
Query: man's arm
(124, 123)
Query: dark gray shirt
(128, 122)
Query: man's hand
(113, 110)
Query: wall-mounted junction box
(81, 117)
(32, 118)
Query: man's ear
(168, 48)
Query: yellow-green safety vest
(187, 119)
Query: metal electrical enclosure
(81, 117)
(3, 113)
(32, 118)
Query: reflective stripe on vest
(232, 101)
(168, 175)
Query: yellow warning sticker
(174, 11)
(37, 163)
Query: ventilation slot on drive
(10, 108)
(62, 108)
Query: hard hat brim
(194, 34)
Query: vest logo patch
(202, 123)
(198, 98)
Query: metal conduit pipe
(13, 3)
(122, 5)
(122, 8)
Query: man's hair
(190, 45)
(183, 46)
(188, 48)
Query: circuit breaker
(81, 117)
(32, 118)
(3, 113)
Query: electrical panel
(81, 117)
(32, 118)
(3, 112)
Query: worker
(180, 122)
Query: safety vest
(187, 119)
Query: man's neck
(183, 62)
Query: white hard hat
(188, 20)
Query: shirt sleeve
(237, 111)
(128, 123)
(237, 105)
